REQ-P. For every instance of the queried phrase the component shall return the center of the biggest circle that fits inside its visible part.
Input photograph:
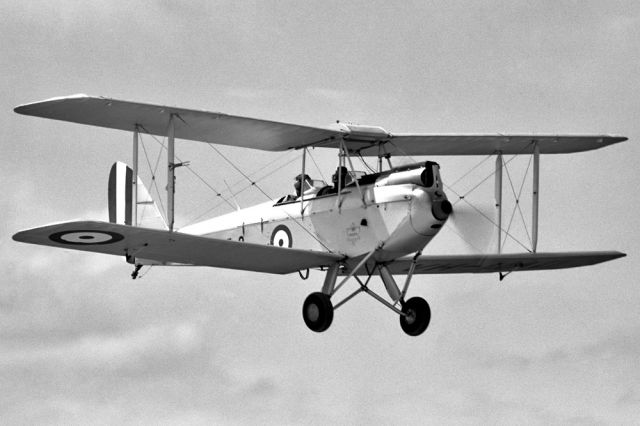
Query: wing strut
(302, 182)
(364, 204)
(536, 188)
(134, 179)
(498, 181)
(498, 196)
(170, 171)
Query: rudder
(120, 195)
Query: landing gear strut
(414, 313)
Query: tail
(121, 208)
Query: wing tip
(618, 255)
(19, 237)
(618, 138)
(27, 109)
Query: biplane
(359, 226)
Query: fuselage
(402, 210)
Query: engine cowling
(424, 174)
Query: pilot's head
(298, 183)
(340, 171)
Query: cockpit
(312, 188)
(425, 174)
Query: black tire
(418, 315)
(317, 312)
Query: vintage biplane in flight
(362, 225)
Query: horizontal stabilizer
(174, 247)
(224, 129)
(486, 263)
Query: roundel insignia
(86, 237)
(281, 237)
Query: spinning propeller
(474, 225)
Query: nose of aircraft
(428, 211)
(441, 209)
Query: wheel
(417, 316)
(317, 312)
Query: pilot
(341, 174)
(298, 185)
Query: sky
(81, 343)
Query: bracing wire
(241, 190)
(366, 164)
(214, 190)
(316, 164)
(471, 170)
(254, 184)
(462, 197)
(153, 170)
(517, 198)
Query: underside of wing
(174, 247)
(408, 144)
(202, 126)
(486, 263)
(223, 129)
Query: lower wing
(174, 247)
(485, 263)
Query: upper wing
(483, 263)
(190, 124)
(407, 144)
(165, 246)
(246, 132)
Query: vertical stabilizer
(120, 195)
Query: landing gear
(415, 317)
(415, 313)
(317, 312)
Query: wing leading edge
(165, 246)
(224, 129)
(487, 263)
(202, 126)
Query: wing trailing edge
(488, 263)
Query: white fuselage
(398, 215)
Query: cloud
(139, 350)
(620, 345)
(157, 373)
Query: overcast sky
(80, 342)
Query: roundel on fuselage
(281, 237)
